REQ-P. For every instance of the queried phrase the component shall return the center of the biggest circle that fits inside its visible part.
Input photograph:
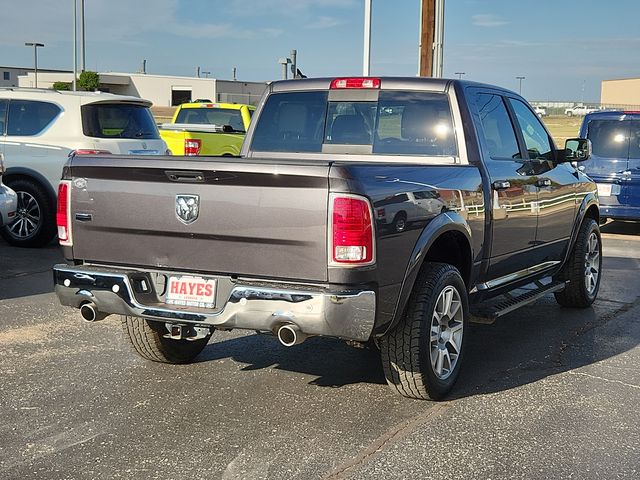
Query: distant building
(9, 75)
(162, 90)
(623, 92)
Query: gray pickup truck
(290, 238)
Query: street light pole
(520, 86)
(366, 59)
(82, 50)
(75, 45)
(35, 46)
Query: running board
(489, 311)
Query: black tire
(146, 338)
(406, 351)
(400, 222)
(32, 200)
(581, 267)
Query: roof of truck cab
(386, 83)
(230, 106)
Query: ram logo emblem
(187, 208)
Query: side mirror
(577, 150)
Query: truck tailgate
(253, 219)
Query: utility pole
(520, 86)
(366, 59)
(460, 74)
(35, 46)
(75, 45)
(82, 50)
(294, 63)
(431, 38)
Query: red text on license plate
(191, 291)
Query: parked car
(400, 210)
(579, 110)
(8, 200)
(615, 162)
(207, 128)
(38, 130)
(284, 240)
(540, 111)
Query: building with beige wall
(162, 90)
(624, 91)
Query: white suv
(38, 131)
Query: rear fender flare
(443, 223)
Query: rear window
(118, 120)
(399, 123)
(212, 116)
(27, 117)
(610, 138)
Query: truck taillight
(192, 146)
(63, 214)
(355, 82)
(90, 151)
(351, 230)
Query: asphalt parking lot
(546, 392)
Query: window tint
(535, 136)
(29, 117)
(212, 116)
(415, 123)
(634, 139)
(609, 138)
(3, 115)
(291, 122)
(118, 120)
(350, 123)
(498, 130)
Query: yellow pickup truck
(207, 128)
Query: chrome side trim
(512, 277)
(348, 314)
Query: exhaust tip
(290, 335)
(88, 312)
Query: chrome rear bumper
(348, 314)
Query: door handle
(501, 184)
(185, 176)
(543, 182)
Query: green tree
(89, 81)
(61, 86)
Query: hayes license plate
(191, 291)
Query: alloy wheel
(28, 217)
(446, 332)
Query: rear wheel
(148, 340)
(583, 268)
(34, 225)
(422, 355)
(400, 222)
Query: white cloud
(488, 20)
(324, 22)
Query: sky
(564, 48)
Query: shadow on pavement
(27, 271)
(621, 228)
(335, 363)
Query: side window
(498, 130)
(535, 136)
(30, 118)
(610, 138)
(634, 147)
(3, 115)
